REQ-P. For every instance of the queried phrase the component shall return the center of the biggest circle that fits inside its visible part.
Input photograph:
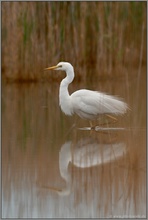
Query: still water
(52, 169)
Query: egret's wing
(94, 103)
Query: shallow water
(52, 169)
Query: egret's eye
(60, 66)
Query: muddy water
(52, 169)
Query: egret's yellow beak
(51, 68)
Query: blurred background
(102, 36)
(49, 168)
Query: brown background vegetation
(99, 35)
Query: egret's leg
(70, 129)
(115, 119)
(93, 127)
(107, 122)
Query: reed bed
(104, 36)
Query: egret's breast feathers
(65, 104)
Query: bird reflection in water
(86, 153)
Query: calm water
(52, 169)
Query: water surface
(52, 169)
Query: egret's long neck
(67, 80)
(64, 94)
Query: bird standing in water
(85, 103)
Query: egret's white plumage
(87, 104)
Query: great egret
(85, 103)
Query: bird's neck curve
(66, 81)
(69, 77)
(64, 96)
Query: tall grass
(102, 35)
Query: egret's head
(61, 66)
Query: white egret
(85, 103)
